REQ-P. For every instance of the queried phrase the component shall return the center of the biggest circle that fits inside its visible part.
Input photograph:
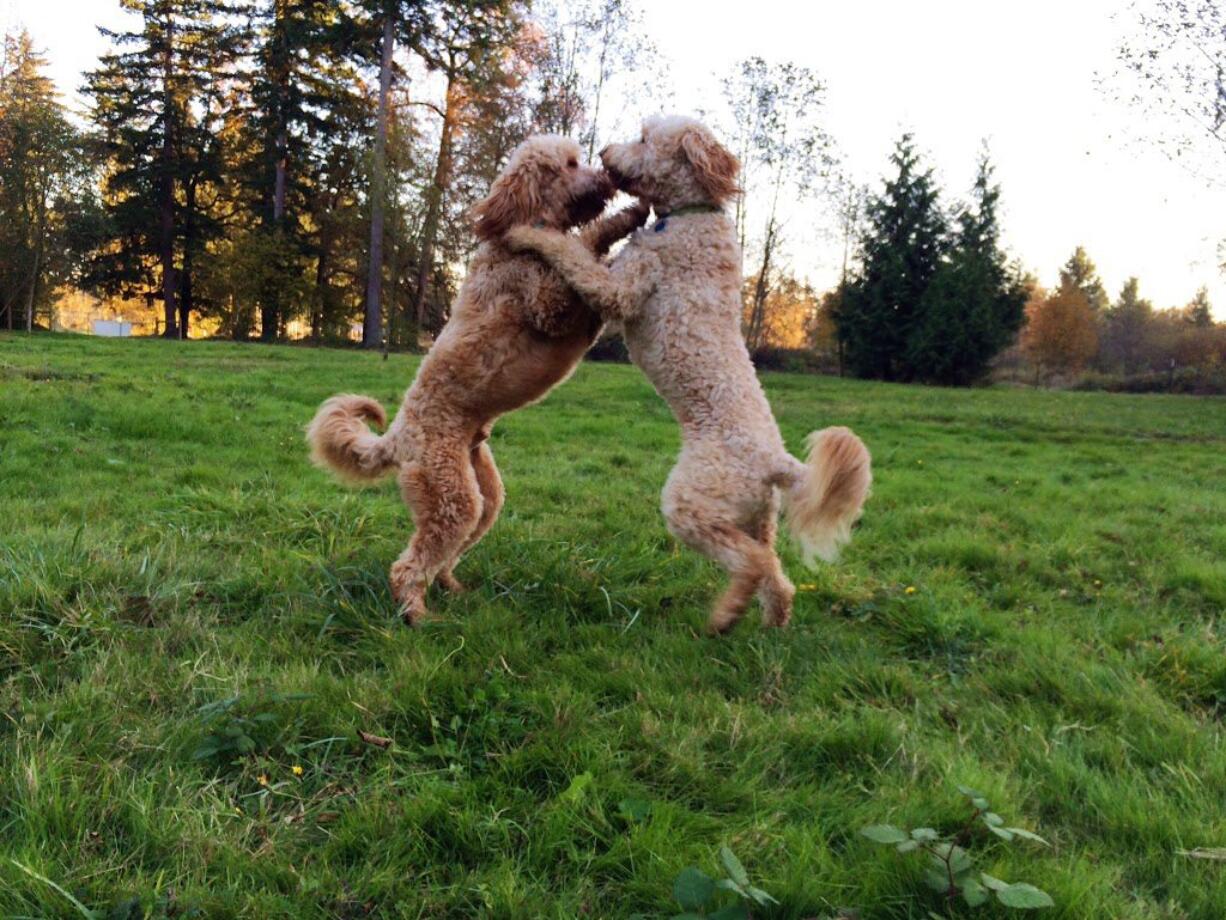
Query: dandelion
(262, 779)
(297, 770)
(910, 589)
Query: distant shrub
(1194, 381)
(609, 348)
(793, 360)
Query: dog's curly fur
(676, 288)
(515, 332)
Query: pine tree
(158, 101)
(304, 100)
(1125, 327)
(900, 255)
(44, 179)
(1199, 312)
(1080, 272)
(976, 301)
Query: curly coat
(516, 331)
(677, 291)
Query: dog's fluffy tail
(826, 495)
(342, 442)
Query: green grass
(173, 569)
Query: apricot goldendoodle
(676, 289)
(515, 332)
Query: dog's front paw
(525, 239)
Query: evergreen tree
(901, 253)
(1125, 327)
(976, 302)
(158, 100)
(304, 100)
(45, 179)
(1199, 312)
(1079, 272)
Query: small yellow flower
(297, 770)
(262, 779)
(1098, 583)
(238, 811)
(807, 587)
(910, 589)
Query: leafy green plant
(699, 894)
(230, 732)
(951, 871)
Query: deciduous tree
(1060, 335)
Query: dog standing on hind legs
(676, 289)
(516, 331)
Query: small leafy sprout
(951, 872)
(697, 892)
(634, 811)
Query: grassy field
(195, 628)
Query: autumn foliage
(1060, 335)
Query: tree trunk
(372, 328)
(166, 203)
(30, 295)
(272, 308)
(185, 291)
(434, 204)
(600, 77)
(757, 311)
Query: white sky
(1021, 75)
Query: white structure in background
(111, 328)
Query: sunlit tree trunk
(434, 203)
(372, 328)
(166, 203)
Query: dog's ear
(717, 168)
(514, 199)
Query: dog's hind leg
(776, 591)
(489, 482)
(446, 504)
(747, 561)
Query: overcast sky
(954, 72)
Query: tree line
(302, 168)
(262, 163)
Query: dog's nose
(604, 150)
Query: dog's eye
(572, 163)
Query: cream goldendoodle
(676, 289)
(515, 332)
